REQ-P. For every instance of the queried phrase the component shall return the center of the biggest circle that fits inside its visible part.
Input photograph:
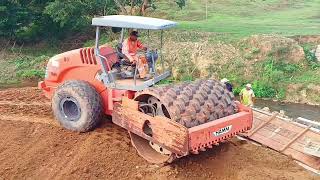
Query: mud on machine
(164, 122)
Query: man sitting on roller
(130, 49)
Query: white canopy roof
(135, 22)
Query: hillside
(267, 43)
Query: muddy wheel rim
(70, 109)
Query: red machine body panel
(81, 64)
(177, 138)
(211, 133)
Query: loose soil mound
(301, 93)
(281, 48)
(33, 146)
(196, 58)
(312, 39)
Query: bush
(237, 90)
(278, 70)
(311, 58)
(31, 68)
(288, 68)
(255, 50)
(281, 93)
(32, 74)
(262, 89)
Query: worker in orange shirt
(130, 48)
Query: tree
(33, 20)
(136, 7)
(23, 19)
(77, 14)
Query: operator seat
(120, 67)
(123, 58)
(119, 51)
(110, 54)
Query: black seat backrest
(119, 51)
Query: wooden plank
(289, 129)
(295, 138)
(262, 124)
(298, 145)
(285, 136)
(295, 154)
(292, 152)
(312, 148)
(311, 161)
(266, 141)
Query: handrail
(105, 60)
(161, 55)
(109, 67)
(153, 64)
(135, 71)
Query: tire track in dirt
(26, 110)
(10, 103)
(49, 121)
(34, 146)
(27, 94)
(25, 104)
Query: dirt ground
(34, 146)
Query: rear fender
(78, 64)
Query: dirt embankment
(272, 61)
(304, 94)
(34, 146)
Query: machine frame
(78, 70)
(130, 22)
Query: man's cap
(224, 80)
(249, 85)
(134, 33)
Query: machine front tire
(77, 106)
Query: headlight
(52, 66)
(55, 62)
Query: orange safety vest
(143, 64)
(134, 45)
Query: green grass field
(246, 17)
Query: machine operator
(130, 48)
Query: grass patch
(26, 63)
(30, 68)
(311, 58)
(246, 17)
(306, 77)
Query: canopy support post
(97, 38)
(122, 35)
(107, 78)
(161, 55)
